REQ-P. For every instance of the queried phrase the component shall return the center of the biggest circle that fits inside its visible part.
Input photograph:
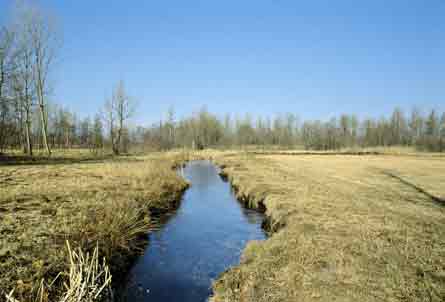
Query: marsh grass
(88, 280)
(106, 204)
(342, 228)
(389, 151)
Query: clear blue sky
(314, 58)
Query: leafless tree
(7, 56)
(7, 68)
(118, 110)
(109, 118)
(39, 44)
(24, 87)
(124, 109)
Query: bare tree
(24, 87)
(39, 42)
(7, 67)
(7, 57)
(109, 118)
(398, 127)
(124, 109)
(97, 134)
(171, 127)
(117, 111)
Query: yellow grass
(390, 150)
(344, 228)
(84, 200)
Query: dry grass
(104, 203)
(391, 150)
(89, 280)
(345, 228)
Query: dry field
(343, 228)
(103, 203)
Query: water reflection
(203, 239)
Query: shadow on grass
(437, 200)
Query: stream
(202, 239)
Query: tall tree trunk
(117, 142)
(42, 116)
(19, 112)
(113, 144)
(2, 128)
(119, 136)
(28, 132)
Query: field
(355, 226)
(87, 201)
(342, 227)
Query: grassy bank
(344, 228)
(87, 201)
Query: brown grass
(89, 279)
(104, 203)
(344, 228)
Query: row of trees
(109, 129)
(27, 52)
(203, 129)
(28, 48)
(65, 130)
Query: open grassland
(343, 228)
(88, 201)
(300, 150)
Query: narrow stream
(201, 240)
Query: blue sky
(313, 58)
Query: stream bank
(201, 240)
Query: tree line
(204, 129)
(28, 48)
(29, 120)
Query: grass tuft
(89, 280)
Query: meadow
(346, 226)
(342, 227)
(77, 203)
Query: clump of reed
(88, 279)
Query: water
(200, 241)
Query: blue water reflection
(205, 237)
